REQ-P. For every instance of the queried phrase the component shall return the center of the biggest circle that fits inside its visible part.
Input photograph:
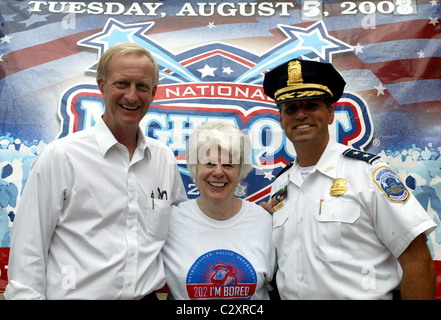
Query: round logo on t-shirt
(221, 274)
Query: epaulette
(289, 165)
(361, 155)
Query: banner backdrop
(212, 58)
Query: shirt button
(301, 278)
(129, 283)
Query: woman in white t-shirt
(219, 246)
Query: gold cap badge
(294, 73)
(338, 187)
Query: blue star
(116, 35)
(312, 43)
(315, 41)
(116, 32)
(7, 17)
(35, 18)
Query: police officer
(344, 224)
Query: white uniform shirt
(85, 227)
(346, 245)
(210, 259)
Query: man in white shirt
(94, 213)
(344, 226)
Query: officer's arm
(267, 206)
(419, 272)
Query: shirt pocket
(280, 218)
(158, 214)
(336, 230)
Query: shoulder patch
(389, 182)
(360, 155)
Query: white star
(268, 175)
(1, 58)
(207, 71)
(358, 48)
(433, 21)
(433, 2)
(228, 70)
(420, 54)
(380, 89)
(6, 38)
(211, 25)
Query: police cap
(302, 79)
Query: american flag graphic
(388, 52)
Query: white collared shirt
(87, 226)
(342, 245)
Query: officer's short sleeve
(398, 216)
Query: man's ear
(280, 114)
(331, 114)
(100, 83)
(154, 91)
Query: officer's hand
(268, 207)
